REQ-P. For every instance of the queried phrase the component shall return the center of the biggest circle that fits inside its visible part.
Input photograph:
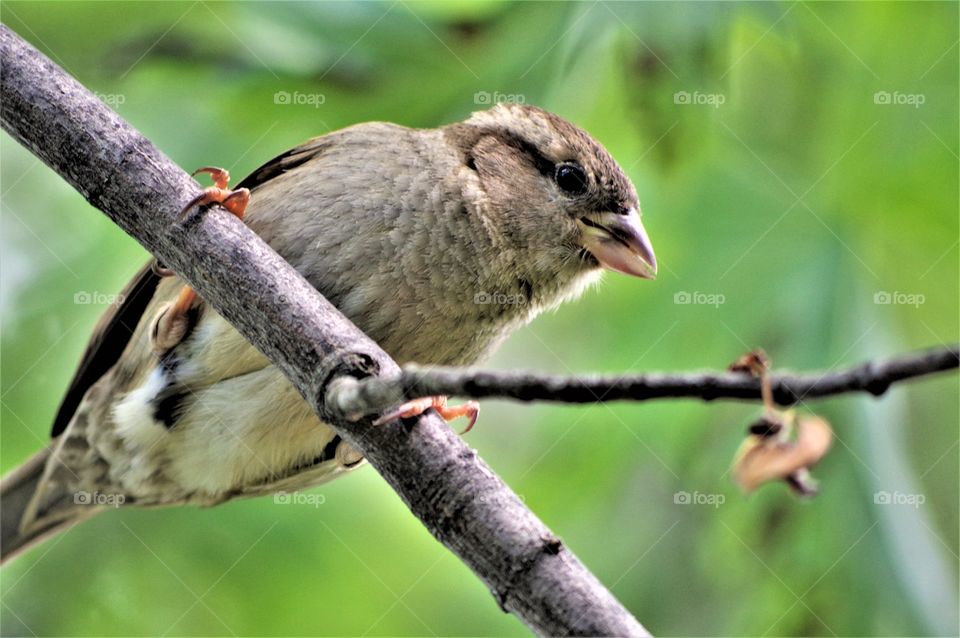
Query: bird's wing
(286, 162)
(110, 337)
(115, 328)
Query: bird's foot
(172, 323)
(416, 407)
(235, 201)
(160, 270)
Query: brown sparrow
(437, 243)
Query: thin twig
(358, 397)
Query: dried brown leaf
(765, 458)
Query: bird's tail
(17, 490)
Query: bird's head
(554, 192)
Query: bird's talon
(159, 270)
(190, 205)
(220, 176)
(416, 407)
(172, 322)
(233, 201)
(470, 409)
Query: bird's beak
(619, 242)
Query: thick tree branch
(358, 397)
(454, 493)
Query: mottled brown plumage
(437, 243)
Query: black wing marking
(286, 162)
(110, 337)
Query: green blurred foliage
(797, 199)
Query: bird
(437, 243)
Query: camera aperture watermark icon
(696, 98)
(299, 498)
(898, 498)
(896, 98)
(499, 299)
(486, 98)
(699, 498)
(697, 298)
(897, 298)
(94, 298)
(99, 499)
(286, 98)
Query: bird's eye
(571, 178)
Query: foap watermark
(898, 498)
(699, 498)
(98, 499)
(697, 298)
(896, 98)
(94, 298)
(897, 298)
(499, 299)
(299, 498)
(271, 296)
(286, 98)
(716, 100)
(492, 498)
(111, 99)
(486, 98)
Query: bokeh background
(798, 169)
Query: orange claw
(171, 325)
(172, 322)
(234, 201)
(416, 407)
(184, 301)
(220, 176)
